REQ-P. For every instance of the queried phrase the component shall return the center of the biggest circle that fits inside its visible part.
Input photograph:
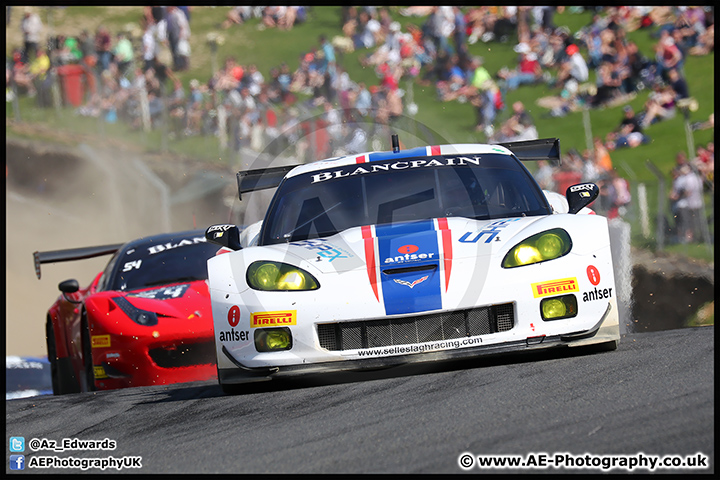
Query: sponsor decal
(491, 230)
(368, 168)
(323, 249)
(584, 186)
(100, 341)
(408, 249)
(555, 287)
(112, 355)
(597, 294)
(99, 372)
(593, 275)
(234, 316)
(132, 265)
(176, 291)
(169, 246)
(219, 228)
(273, 319)
(411, 284)
(234, 335)
(408, 257)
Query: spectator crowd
(131, 76)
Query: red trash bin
(71, 80)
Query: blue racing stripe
(409, 261)
(413, 152)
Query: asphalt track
(652, 397)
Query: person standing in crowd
(178, 34)
(686, 192)
(149, 44)
(123, 52)
(103, 43)
(32, 28)
(602, 157)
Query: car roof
(429, 151)
(162, 237)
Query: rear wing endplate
(260, 179)
(72, 254)
(541, 149)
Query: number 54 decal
(130, 265)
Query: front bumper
(605, 331)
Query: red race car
(145, 320)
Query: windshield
(326, 202)
(161, 263)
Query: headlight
(273, 339)
(276, 276)
(541, 247)
(557, 308)
(141, 317)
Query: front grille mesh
(417, 329)
(184, 355)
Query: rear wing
(525, 150)
(72, 254)
(260, 179)
(541, 149)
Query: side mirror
(69, 287)
(581, 195)
(224, 235)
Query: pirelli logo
(273, 319)
(99, 372)
(555, 287)
(100, 341)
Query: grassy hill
(453, 121)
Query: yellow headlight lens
(541, 247)
(556, 308)
(276, 276)
(266, 276)
(273, 339)
(553, 308)
(549, 245)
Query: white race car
(385, 258)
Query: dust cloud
(58, 198)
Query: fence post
(642, 200)
(222, 128)
(660, 229)
(588, 129)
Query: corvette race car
(145, 320)
(431, 253)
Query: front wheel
(88, 370)
(61, 371)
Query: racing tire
(61, 371)
(88, 370)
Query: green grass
(451, 121)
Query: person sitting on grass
(628, 134)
